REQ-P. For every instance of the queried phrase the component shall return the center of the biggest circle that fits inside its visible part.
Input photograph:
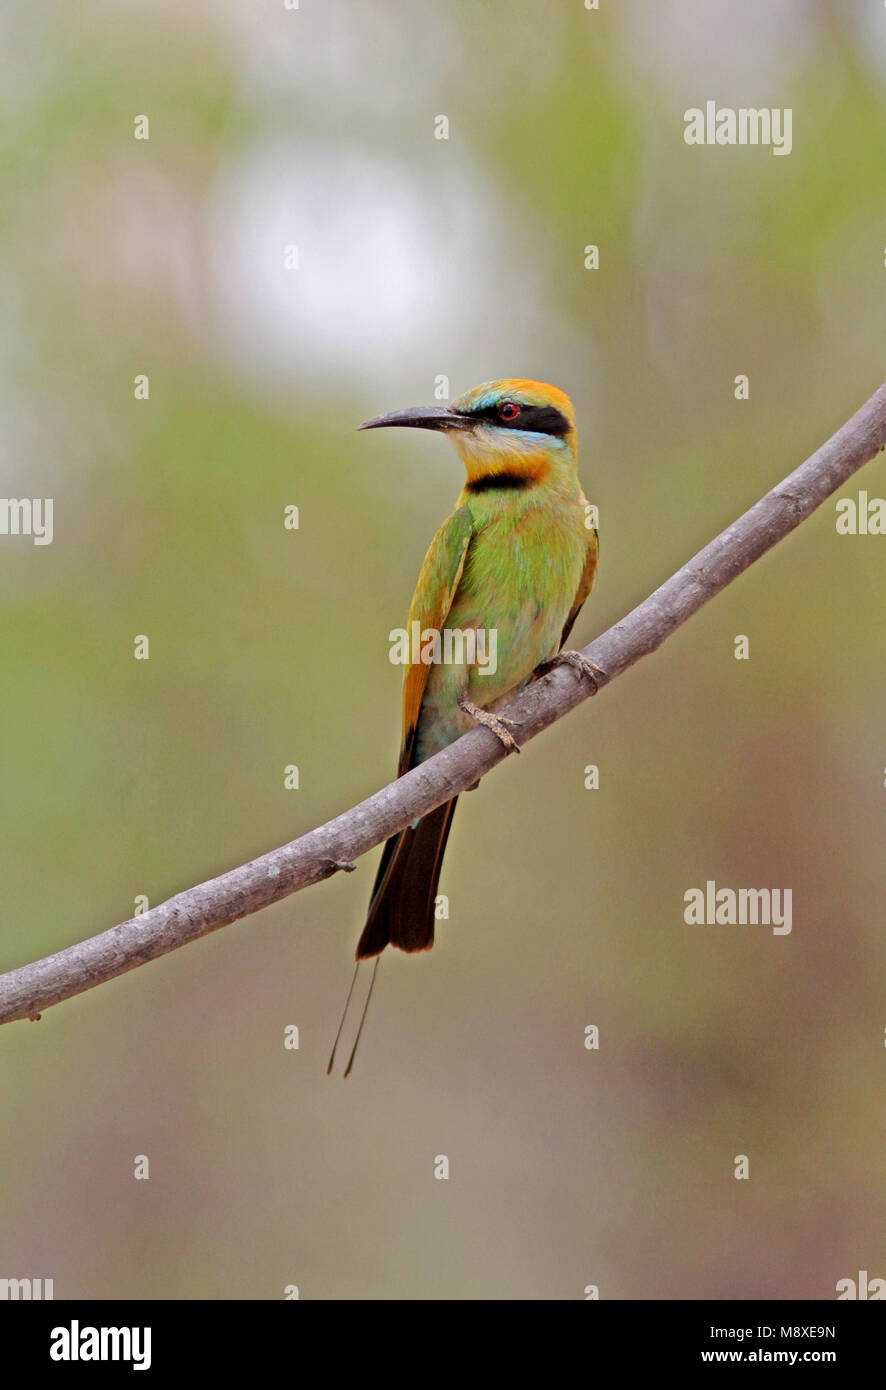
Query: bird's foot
(582, 667)
(499, 725)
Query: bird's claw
(582, 667)
(499, 724)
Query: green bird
(511, 568)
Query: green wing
(437, 584)
(584, 587)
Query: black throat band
(496, 482)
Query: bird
(517, 559)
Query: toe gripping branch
(583, 668)
(499, 724)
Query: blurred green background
(419, 258)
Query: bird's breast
(519, 584)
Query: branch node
(334, 866)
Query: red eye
(509, 411)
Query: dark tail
(401, 910)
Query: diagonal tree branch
(331, 847)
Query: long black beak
(421, 418)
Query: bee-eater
(516, 558)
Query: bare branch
(332, 847)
